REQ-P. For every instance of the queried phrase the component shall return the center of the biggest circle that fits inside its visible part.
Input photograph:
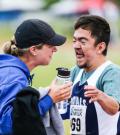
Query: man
(34, 44)
(94, 105)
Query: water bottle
(63, 76)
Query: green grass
(5, 33)
(63, 58)
(114, 54)
(45, 74)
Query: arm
(107, 91)
(55, 94)
(108, 103)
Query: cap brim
(57, 40)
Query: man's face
(85, 50)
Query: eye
(50, 46)
(82, 41)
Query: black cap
(63, 71)
(34, 32)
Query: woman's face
(44, 55)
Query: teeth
(79, 53)
(80, 56)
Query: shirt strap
(96, 74)
(94, 77)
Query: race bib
(77, 119)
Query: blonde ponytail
(10, 48)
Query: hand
(93, 93)
(108, 103)
(61, 92)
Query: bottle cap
(63, 71)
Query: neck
(28, 62)
(95, 64)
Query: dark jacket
(26, 116)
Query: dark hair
(98, 26)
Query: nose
(76, 44)
(54, 49)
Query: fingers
(92, 92)
(92, 99)
(89, 87)
(60, 93)
(64, 86)
(65, 93)
(53, 82)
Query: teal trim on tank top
(109, 81)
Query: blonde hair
(10, 47)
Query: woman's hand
(60, 92)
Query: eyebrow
(81, 38)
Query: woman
(34, 44)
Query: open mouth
(79, 54)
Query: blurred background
(61, 14)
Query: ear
(101, 47)
(33, 50)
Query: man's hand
(108, 103)
(93, 93)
